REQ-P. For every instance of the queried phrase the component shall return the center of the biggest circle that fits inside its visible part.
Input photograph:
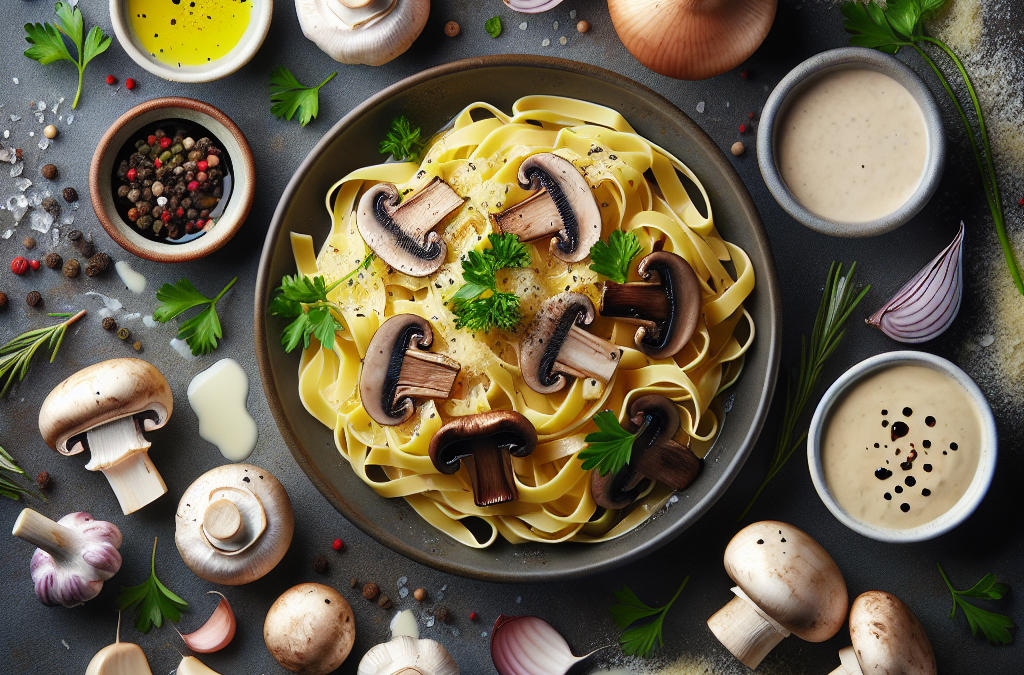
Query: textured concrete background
(37, 639)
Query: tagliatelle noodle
(479, 155)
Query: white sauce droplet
(218, 396)
(113, 304)
(404, 623)
(182, 348)
(133, 281)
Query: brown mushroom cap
(679, 282)
(383, 365)
(310, 629)
(576, 204)
(888, 638)
(102, 393)
(415, 254)
(501, 428)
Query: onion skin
(216, 633)
(532, 6)
(692, 39)
(526, 645)
(927, 304)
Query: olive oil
(189, 32)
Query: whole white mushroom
(370, 32)
(310, 629)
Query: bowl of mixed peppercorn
(172, 180)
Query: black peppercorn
(53, 260)
(123, 333)
(34, 299)
(29, 242)
(443, 614)
(353, 582)
(320, 564)
(108, 323)
(3, 299)
(370, 591)
(101, 261)
(86, 248)
(71, 268)
(44, 481)
(49, 171)
(74, 236)
(70, 194)
(51, 206)
(384, 602)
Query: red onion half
(927, 304)
(526, 645)
(532, 6)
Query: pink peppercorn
(193, 186)
(744, 74)
(180, 212)
(751, 116)
(157, 163)
(202, 165)
(34, 264)
(338, 543)
(111, 79)
(129, 83)
(165, 143)
(19, 265)
(151, 140)
(743, 128)
(165, 216)
(132, 173)
(473, 616)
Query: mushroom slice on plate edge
(485, 443)
(401, 232)
(666, 305)
(555, 346)
(656, 455)
(398, 368)
(564, 208)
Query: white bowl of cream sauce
(851, 143)
(902, 447)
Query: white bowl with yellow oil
(191, 40)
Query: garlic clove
(406, 655)
(927, 304)
(190, 665)
(527, 645)
(120, 658)
(216, 633)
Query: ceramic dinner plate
(431, 99)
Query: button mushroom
(398, 368)
(310, 629)
(555, 346)
(405, 655)
(564, 208)
(786, 583)
(371, 32)
(485, 442)
(401, 233)
(233, 524)
(76, 555)
(656, 455)
(105, 408)
(666, 306)
(887, 638)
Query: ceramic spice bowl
(795, 83)
(143, 119)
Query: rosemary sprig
(9, 475)
(837, 302)
(16, 355)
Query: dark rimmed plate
(432, 98)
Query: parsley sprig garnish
(202, 331)
(48, 42)
(155, 601)
(837, 302)
(304, 299)
(493, 26)
(609, 449)
(289, 96)
(639, 640)
(995, 627)
(402, 141)
(612, 260)
(478, 304)
(901, 24)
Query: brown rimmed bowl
(432, 98)
(146, 116)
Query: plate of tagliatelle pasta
(541, 346)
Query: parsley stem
(225, 290)
(152, 562)
(951, 589)
(78, 94)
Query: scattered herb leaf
(995, 627)
(288, 96)
(639, 640)
(10, 474)
(609, 449)
(402, 141)
(304, 299)
(157, 601)
(612, 260)
(16, 355)
(493, 26)
(364, 264)
(478, 304)
(48, 42)
(202, 331)
(837, 302)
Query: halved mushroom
(564, 208)
(105, 408)
(401, 233)
(398, 368)
(656, 455)
(667, 307)
(485, 442)
(886, 637)
(556, 346)
(371, 32)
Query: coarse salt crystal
(572, 14)
(22, 184)
(562, 40)
(44, 143)
(15, 80)
(7, 133)
(402, 581)
(17, 169)
(41, 106)
(554, 25)
(71, 118)
(403, 592)
(39, 116)
(523, 26)
(40, 221)
(7, 234)
(545, 42)
(987, 340)
(700, 107)
(15, 118)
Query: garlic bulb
(404, 654)
(927, 304)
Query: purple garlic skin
(63, 581)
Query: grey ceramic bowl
(836, 59)
(986, 462)
(432, 98)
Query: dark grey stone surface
(32, 637)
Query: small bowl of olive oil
(191, 40)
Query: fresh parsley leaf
(507, 251)
(498, 310)
(154, 600)
(995, 627)
(48, 45)
(869, 27)
(609, 449)
(493, 26)
(639, 640)
(202, 331)
(612, 260)
(478, 305)
(402, 141)
(289, 96)
(304, 299)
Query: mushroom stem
(354, 13)
(222, 520)
(745, 631)
(421, 213)
(534, 218)
(62, 543)
(642, 303)
(490, 472)
(585, 355)
(426, 375)
(120, 451)
(848, 663)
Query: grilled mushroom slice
(666, 306)
(556, 346)
(401, 233)
(656, 455)
(398, 368)
(564, 208)
(485, 442)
